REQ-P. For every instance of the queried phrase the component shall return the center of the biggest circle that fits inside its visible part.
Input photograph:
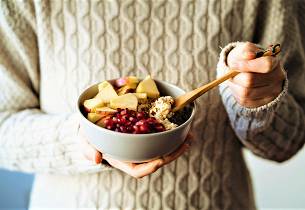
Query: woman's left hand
(261, 79)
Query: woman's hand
(137, 170)
(261, 79)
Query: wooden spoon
(183, 100)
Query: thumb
(242, 52)
(89, 151)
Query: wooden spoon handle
(192, 95)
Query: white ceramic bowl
(135, 147)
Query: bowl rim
(194, 109)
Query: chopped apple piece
(105, 111)
(94, 117)
(92, 104)
(126, 89)
(141, 95)
(130, 80)
(127, 101)
(148, 86)
(101, 122)
(106, 92)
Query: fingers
(252, 80)
(260, 80)
(242, 58)
(144, 169)
(246, 51)
(255, 93)
(259, 65)
(133, 169)
(89, 151)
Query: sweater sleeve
(274, 131)
(31, 140)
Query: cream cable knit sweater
(51, 50)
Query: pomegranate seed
(114, 120)
(125, 117)
(144, 128)
(136, 128)
(107, 121)
(159, 127)
(129, 129)
(123, 129)
(132, 119)
(123, 121)
(123, 112)
(140, 115)
(140, 122)
(129, 121)
(151, 119)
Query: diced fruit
(148, 86)
(105, 111)
(141, 95)
(106, 92)
(92, 104)
(127, 101)
(130, 80)
(126, 89)
(94, 117)
(101, 122)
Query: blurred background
(277, 186)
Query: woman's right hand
(137, 170)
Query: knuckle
(244, 92)
(248, 44)
(249, 81)
(282, 75)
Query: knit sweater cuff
(264, 113)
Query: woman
(52, 50)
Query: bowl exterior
(134, 147)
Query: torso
(82, 43)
